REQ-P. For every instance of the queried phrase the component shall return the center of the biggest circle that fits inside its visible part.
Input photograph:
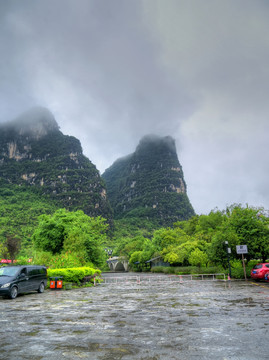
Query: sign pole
(242, 249)
(244, 266)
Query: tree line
(64, 237)
(201, 240)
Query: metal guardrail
(217, 276)
(162, 278)
(119, 279)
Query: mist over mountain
(149, 183)
(35, 153)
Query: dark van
(15, 280)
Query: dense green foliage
(149, 184)
(55, 261)
(200, 241)
(72, 231)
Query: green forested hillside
(19, 210)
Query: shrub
(186, 270)
(73, 275)
(157, 269)
(23, 261)
(211, 270)
(198, 258)
(42, 258)
(66, 260)
(168, 270)
(238, 270)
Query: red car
(259, 271)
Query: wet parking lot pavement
(147, 320)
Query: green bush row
(73, 275)
(186, 270)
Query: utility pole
(228, 256)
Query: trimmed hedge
(73, 275)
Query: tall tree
(252, 228)
(73, 231)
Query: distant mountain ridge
(34, 152)
(149, 183)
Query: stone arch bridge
(117, 263)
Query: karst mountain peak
(149, 183)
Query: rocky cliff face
(149, 183)
(34, 152)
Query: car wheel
(13, 292)
(41, 288)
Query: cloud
(221, 51)
(97, 68)
(112, 72)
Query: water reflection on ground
(147, 320)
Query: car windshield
(8, 271)
(258, 266)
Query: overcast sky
(112, 71)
